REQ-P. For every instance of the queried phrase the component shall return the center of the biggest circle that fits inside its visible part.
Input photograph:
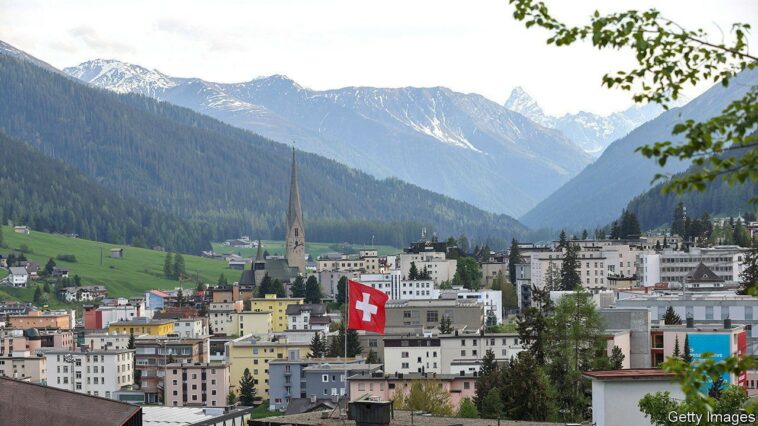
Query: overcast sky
(467, 45)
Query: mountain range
(598, 194)
(460, 145)
(592, 132)
(233, 181)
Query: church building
(284, 269)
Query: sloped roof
(16, 270)
(23, 403)
(702, 273)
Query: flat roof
(399, 418)
(179, 416)
(630, 374)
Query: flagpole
(347, 324)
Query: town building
(287, 378)
(24, 230)
(278, 308)
(616, 394)
(18, 276)
(384, 387)
(153, 353)
(440, 268)
(671, 266)
(142, 325)
(156, 299)
(104, 341)
(421, 315)
(97, 373)
(82, 294)
(190, 327)
(21, 403)
(44, 319)
(24, 366)
(98, 318)
(221, 316)
(256, 352)
(308, 317)
(198, 384)
(249, 322)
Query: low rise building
(248, 322)
(190, 327)
(102, 341)
(671, 266)
(153, 353)
(278, 308)
(256, 352)
(98, 373)
(44, 319)
(419, 315)
(18, 276)
(440, 268)
(307, 317)
(385, 387)
(221, 317)
(25, 366)
(142, 325)
(198, 384)
(98, 318)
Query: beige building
(26, 367)
(277, 306)
(426, 314)
(221, 316)
(255, 353)
(252, 323)
(439, 267)
(198, 384)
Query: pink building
(198, 384)
(17, 341)
(382, 387)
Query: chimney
(690, 322)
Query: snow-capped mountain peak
(520, 101)
(121, 77)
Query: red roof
(159, 293)
(630, 374)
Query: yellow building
(277, 306)
(252, 322)
(255, 354)
(140, 326)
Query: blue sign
(718, 345)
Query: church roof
(294, 213)
(702, 274)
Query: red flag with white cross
(365, 307)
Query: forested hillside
(48, 196)
(178, 161)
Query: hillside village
(269, 333)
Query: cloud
(89, 37)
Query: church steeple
(295, 230)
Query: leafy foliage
(468, 273)
(669, 57)
(426, 395)
(468, 410)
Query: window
(466, 385)
(324, 378)
(404, 365)
(463, 352)
(432, 316)
(404, 354)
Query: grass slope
(138, 271)
(313, 249)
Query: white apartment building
(98, 373)
(412, 355)
(100, 341)
(673, 266)
(221, 316)
(596, 263)
(463, 353)
(491, 299)
(391, 282)
(439, 267)
(190, 327)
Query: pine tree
(179, 268)
(231, 398)
(570, 279)
(413, 273)
(37, 296)
(562, 240)
(525, 390)
(671, 317)
(678, 221)
(353, 344)
(312, 290)
(552, 277)
(488, 379)
(278, 288)
(341, 290)
(717, 386)
(46, 287)
(677, 352)
(298, 287)
(532, 324)
(687, 355)
(131, 344)
(372, 357)
(266, 286)
(467, 409)
(221, 280)
(168, 266)
(749, 276)
(446, 326)
(318, 346)
(49, 266)
(514, 258)
(617, 358)
(247, 389)
(492, 405)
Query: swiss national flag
(365, 307)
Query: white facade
(673, 266)
(463, 353)
(107, 341)
(189, 327)
(112, 314)
(614, 402)
(98, 373)
(491, 299)
(412, 359)
(18, 276)
(440, 269)
(596, 263)
(391, 282)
